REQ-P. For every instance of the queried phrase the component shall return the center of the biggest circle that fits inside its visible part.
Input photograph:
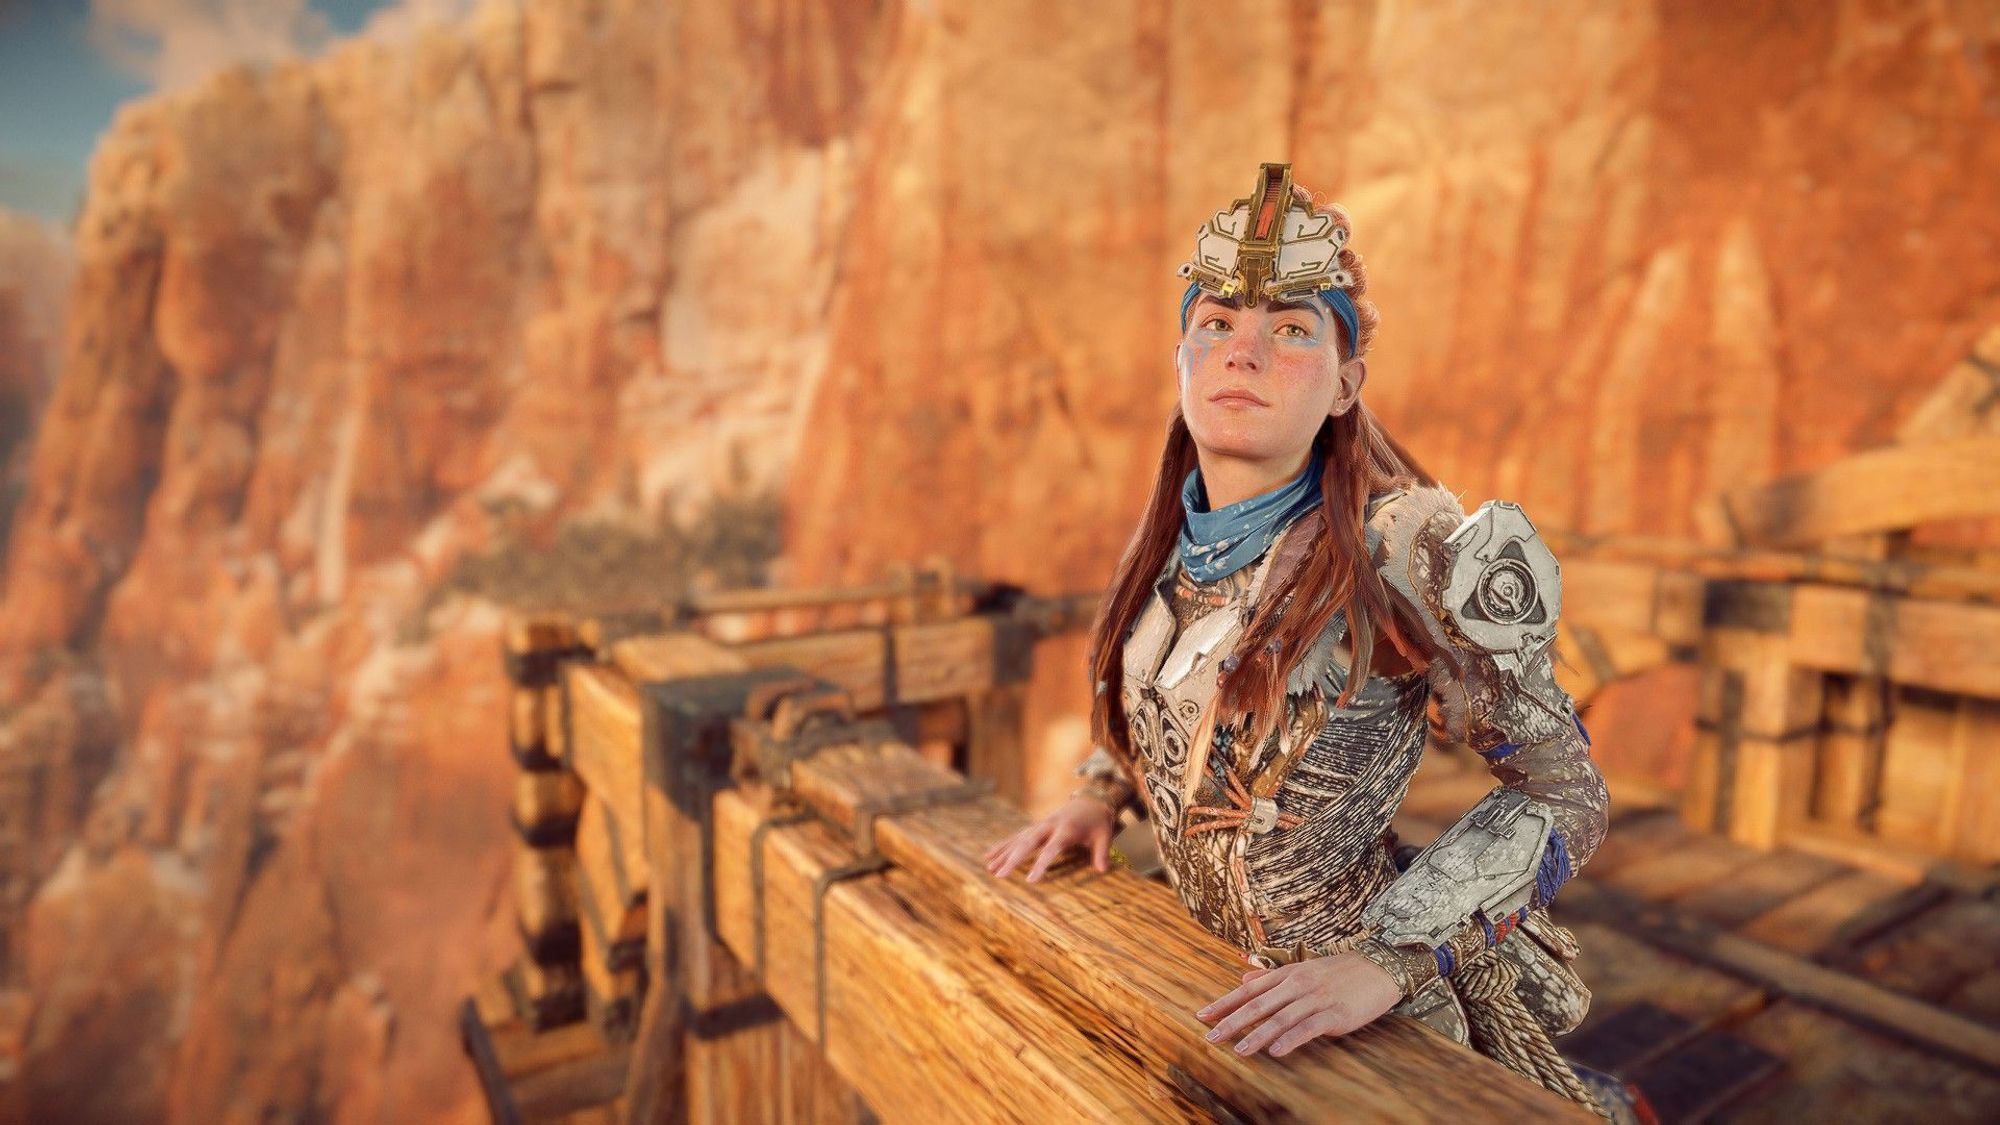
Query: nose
(1245, 352)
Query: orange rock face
(342, 327)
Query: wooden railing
(778, 913)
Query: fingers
(1325, 1022)
(1058, 843)
(1100, 849)
(1248, 1003)
(1016, 848)
(1287, 1017)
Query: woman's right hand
(1083, 821)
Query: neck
(1229, 480)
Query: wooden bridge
(749, 888)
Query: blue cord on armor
(1445, 959)
(1500, 751)
(1554, 871)
(1578, 720)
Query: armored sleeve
(1105, 781)
(1489, 591)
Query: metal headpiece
(1270, 245)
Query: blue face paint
(1336, 299)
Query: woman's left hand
(1289, 1005)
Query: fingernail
(1214, 1036)
(1243, 1048)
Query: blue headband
(1343, 307)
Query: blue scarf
(1217, 544)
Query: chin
(1250, 443)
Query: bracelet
(1112, 792)
(1395, 963)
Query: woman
(1288, 540)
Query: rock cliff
(352, 336)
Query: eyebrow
(1276, 306)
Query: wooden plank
(477, 1042)
(1921, 761)
(1850, 750)
(545, 900)
(1112, 953)
(547, 995)
(1878, 490)
(1810, 921)
(1751, 779)
(1637, 837)
(546, 803)
(1622, 970)
(1630, 596)
(532, 645)
(897, 972)
(1964, 401)
(1701, 863)
(678, 1074)
(930, 662)
(1900, 864)
(1976, 808)
(996, 721)
(527, 719)
(1942, 645)
(1909, 577)
(589, 1081)
(605, 753)
(1762, 885)
(1933, 952)
(944, 659)
(1928, 1026)
(850, 659)
(610, 901)
(555, 722)
(669, 656)
(611, 971)
(1126, 944)
(1837, 1072)
(1697, 1079)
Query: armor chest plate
(1258, 884)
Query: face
(1256, 382)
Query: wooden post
(1752, 775)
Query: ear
(1353, 373)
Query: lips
(1236, 394)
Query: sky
(66, 65)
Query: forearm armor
(1104, 781)
(1481, 868)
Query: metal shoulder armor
(1487, 588)
(1502, 587)
(1485, 863)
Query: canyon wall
(592, 293)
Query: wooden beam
(1901, 576)
(1632, 596)
(604, 752)
(1940, 645)
(1927, 1025)
(1125, 947)
(1965, 402)
(1887, 489)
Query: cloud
(172, 43)
(403, 19)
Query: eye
(1301, 330)
(1212, 322)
